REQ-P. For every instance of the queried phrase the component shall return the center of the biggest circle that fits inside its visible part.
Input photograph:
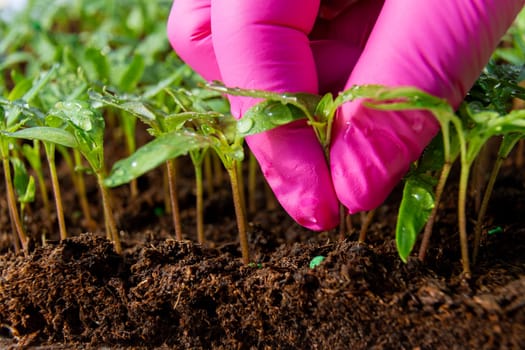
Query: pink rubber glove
(270, 45)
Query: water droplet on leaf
(244, 125)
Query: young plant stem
(484, 206)
(13, 208)
(208, 173)
(233, 172)
(128, 123)
(41, 181)
(217, 169)
(507, 145)
(240, 181)
(342, 223)
(427, 233)
(365, 224)
(271, 201)
(348, 223)
(78, 182)
(43, 193)
(109, 219)
(171, 167)
(252, 184)
(462, 218)
(50, 154)
(166, 189)
(520, 155)
(199, 194)
(81, 192)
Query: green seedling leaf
(21, 88)
(433, 156)
(40, 83)
(173, 79)
(133, 74)
(32, 154)
(154, 153)
(14, 58)
(136, 108)
(87, 126)
(96, 65)
(508, 143)
(267, 115)
(414, 211)
(326, 107)
(23, 183)
(46, 134)
(303, 101)
(309, 101)
(177, 121)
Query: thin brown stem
(271, 201)
(252, 184)
(171, 167)
(427, 233)
(80, 186)
(199, 193)
(365, 224)
(348, 223)
(342, 222)
(484, 206)
(208, 173)
(218, 169)
(462, 219)
(240, 182)
(239, 213)
(109, 219)
(13, 208)
(50, 153)
(166, 190)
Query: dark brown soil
(161, 293)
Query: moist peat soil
(168, 294)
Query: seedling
(419, 203)
(316, 261)
(77, 125)
(15, 115)
(24, 184)
(162, 123)
(179, 142)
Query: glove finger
(296, 170)
(189, 32)
(372, 152)
(258, 44)
(438, 46)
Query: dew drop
(278, 114)
(244, 125)
(134, 164)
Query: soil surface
(161, 293)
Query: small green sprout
(495, 230)
(316, 261)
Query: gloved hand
(439, 46)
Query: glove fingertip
(293, 163)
